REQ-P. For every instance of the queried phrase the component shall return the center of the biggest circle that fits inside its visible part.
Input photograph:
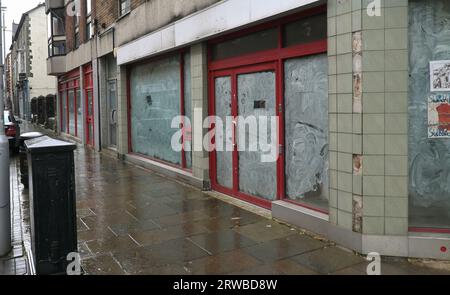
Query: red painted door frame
(233, 74)
(89, 118)
(70, 81)
(186, 132)
(232, 66)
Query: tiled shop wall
(368, 71)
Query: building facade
(8, 85)
(28, 55)
(354, 87)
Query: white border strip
(222, 17)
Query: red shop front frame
(186, 132)
(263, 60)
(69, 82)
(89, 104)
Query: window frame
(52, 38)
(186, 132)
(72, 82)
(127, 9)
(89, 31)
(278, 56)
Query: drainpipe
(5, 213)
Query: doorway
(243, 96)
(89, 105)
(272, 70)
(112, 113)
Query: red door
(250, 94)
(89, 118)
(89, 105)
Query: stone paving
(16, 263)
(132, 221)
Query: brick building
(358, 161)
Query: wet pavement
(132, 221)
(16, 263)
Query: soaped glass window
(429, 155)
(155, 101)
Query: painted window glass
(155, 101)
(188, 107)
(429, 158)
(63, 96)
(72, 112)
(79, 114)
(257, 99)
(223, 110)
(306, 99)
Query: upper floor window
(56, 23)
(88, 7)
(56, 33)
(124, 7)
(89, 25)
(76, 25)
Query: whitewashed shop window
(306, 99)
(156, 99)
(429, 158)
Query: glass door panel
(112, 113)
(89, 118)
(306, 125)
(224, 158)
(256, 99)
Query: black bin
(52, 203)
(23, 155)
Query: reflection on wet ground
(131, 221)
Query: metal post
(5, 213)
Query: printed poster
(439, 116)
(440, 75)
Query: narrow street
(132, 221)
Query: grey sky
(14, 11)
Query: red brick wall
(104, 14)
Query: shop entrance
(89, 103)
(112, 113)
(277, 70)
(245, 95)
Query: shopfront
(159, 90)
(70, 105)
(275, 70)
(77, 116)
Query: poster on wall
(439, 115)
(440, 75)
